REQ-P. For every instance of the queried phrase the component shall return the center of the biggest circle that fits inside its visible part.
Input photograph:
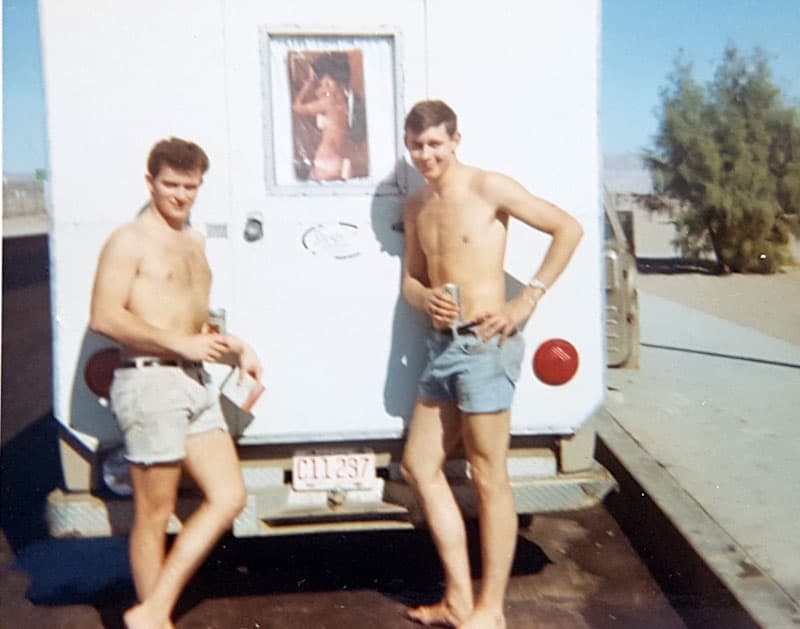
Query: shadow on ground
(59, 571)
(673, 266)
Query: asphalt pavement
(709, 426)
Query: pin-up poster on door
(331, 118)
(329, 124)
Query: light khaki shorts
(157, 407)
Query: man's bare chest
(181, 267)
(457, 225)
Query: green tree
(730, 152)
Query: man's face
(174, 192)
(432, 150)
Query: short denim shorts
(157, 407)
(480, 376)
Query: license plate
(336, 470)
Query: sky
(640, 41)
(642, 38)
(24, 144)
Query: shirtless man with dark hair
(151, 295)
(456, 230)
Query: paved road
(715, 404)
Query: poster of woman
(328, 115)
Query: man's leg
(155, 490)
(211, 460)
(486, 439)
(435, 430)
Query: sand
(767, 303)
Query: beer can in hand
(216, 320)
(455, 293)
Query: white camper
(308, 268)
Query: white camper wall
(340, 346)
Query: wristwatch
(537, 283)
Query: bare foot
(440, 615)
(485, 619)
(140, 617)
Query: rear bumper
(279, 510)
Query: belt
(145, 361)
(464, 328)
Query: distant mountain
(624, 172)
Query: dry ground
(768, 303)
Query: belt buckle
(140, 362)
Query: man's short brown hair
(431, 113)
(178, 154)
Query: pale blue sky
(24, 144)
(641, 38)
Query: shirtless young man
(456, 230)
(151, 295)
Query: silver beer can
(216, 320)
(455, 293)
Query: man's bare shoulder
(196, 237)
(142, 232)
(505, 193)
(490, 183)
(127, 238)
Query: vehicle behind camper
(623, 326)
(307, 265)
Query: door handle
(254, 228)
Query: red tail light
(555, 361)
(99, 371)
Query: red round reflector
(555, 361)
(99, 371)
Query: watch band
(537, 283)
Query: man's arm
(241, 355)
(109, 316)
(566, 232)
(435, 302)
